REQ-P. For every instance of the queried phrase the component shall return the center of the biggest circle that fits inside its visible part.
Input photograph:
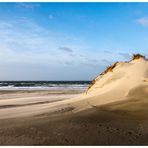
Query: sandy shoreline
(105, 125)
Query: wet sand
(111, 124)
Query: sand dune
(126, 80)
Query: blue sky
(69, 41)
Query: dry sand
(27, 103)
(113, 111)
(105, 125)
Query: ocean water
(44, 85)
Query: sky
(69, 41)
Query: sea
(44, 85)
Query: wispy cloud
(28, 5)
(90, 64)
(27, 46)
(27, 42)
(107, 51)
(142, 21)
(24, 41)
(67, 49)
(125, 55)
(106, 61)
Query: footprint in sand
(133, 134)
(100, 125)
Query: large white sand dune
(117, 83)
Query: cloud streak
(26, 5)
(142, 21)
(24, 41)
(125, 55)
(67, 49)
(27, 42)
(108, 52)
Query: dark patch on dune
(64, 110)
(138, 56)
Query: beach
(112, 110)
(18, 103)
(73, 73)
(95, 126)
(112, 124)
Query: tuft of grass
(110, 68)
(137, 56)
(91, 84)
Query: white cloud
(143, 21)
(26, 47)
(24, 41)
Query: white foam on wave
(53, 87)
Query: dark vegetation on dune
(138, 56)
(109, 68)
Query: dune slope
(121, 81)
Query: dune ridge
(116, 83)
